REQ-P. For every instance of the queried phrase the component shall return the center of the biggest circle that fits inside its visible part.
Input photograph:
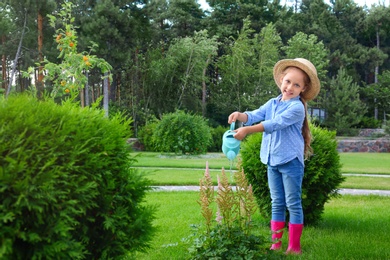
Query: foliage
(145, 135)
(343, 105)
(299, 44)
(246, 69)
(387, 126)
(267, 46)
(161, 61)
(377, 95)
(216, 140)
(68, 77)
(369, 122)
(67, 188)
(183, 133)
(230, 235)
(320, 182)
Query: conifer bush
(320, 182)
(67, 189)
(182, 133)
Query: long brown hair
(306, 132)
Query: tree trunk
(3, 65)
(16, 56)
(105, 94)
(204, 90)
(376, 73)
(39, 83)
(86, 89)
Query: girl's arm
(244, 131)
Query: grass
(188, 170)
(353, 227)
(362, 182)
(191, 177)
(367, 163)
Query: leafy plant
(182, 132)
(231, 235)
(67, 186)
(320, 182)
(145, 135)
(216, 143)
(68, 77)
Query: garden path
(341, 191)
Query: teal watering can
(230, 145)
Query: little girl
(285, 144)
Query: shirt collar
(279, 99)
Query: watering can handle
(232, 125)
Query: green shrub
(216, 143)
(67, 189)
(145, 135)
(369, 122)
(181, 132)
(387, 126)
(321, 180)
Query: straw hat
(314, 87)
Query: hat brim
(307, 67)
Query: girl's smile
(292, 83)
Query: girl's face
(293, 82)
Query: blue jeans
(285, 184)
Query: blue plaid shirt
(282, 138)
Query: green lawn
(188, 170)
(368, 163)
(163, 177)
(353, 227)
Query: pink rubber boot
(277, 233)
(294, 239)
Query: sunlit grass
(216, 160)
(362, 182)
(180, 177)
(353, 227)
(367, 163)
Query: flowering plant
(231, 234)
(69, 76)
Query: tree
(6, 29)
(343, 106)
(246, 79)
(378, 95)
(267, 45)
(68, 77)
(227, 16)
(30, 17)
(308, 47)
(378, 18)
(175, 79)
(237, 72)
(120, 29)
(184, 17)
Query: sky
(204, 4)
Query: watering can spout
(230, 145)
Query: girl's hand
(240, 133)
(233, 117)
